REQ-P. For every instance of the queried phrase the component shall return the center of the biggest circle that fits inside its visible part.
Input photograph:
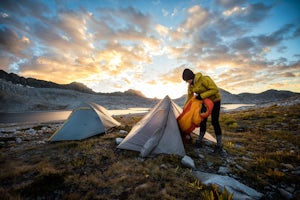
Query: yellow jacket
(205, 87)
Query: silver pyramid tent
(86, 120)
(157, 132)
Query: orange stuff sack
(191, 115)
(209, 104)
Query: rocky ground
(261, 150)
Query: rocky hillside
(267, 96)
(18, 98)
(251, 98)
(31, 82)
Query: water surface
(235, 106)
(52, 116)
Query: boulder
(239, 190)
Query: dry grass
(270, 138)
(95, 169)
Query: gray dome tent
(86, 120)
(157, 132)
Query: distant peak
(136, 92)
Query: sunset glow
(110, 46)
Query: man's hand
(198, 96)
(203, 109)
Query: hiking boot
(218, 150)
(198, 144)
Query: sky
(117, 45)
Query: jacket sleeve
(211, 87)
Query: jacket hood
(197, 76)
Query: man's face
(189, 81)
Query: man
(204, 87)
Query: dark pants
(214, 120)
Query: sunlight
(174, 91)
(115, 60)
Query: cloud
(243, 44)
(175, 11)
(81, 43)
(252, 77)
(128, 58)
(291, 68)
(228, 3)
(63, 44)
(297, 32)
(24, 7)
(12, 43)
(173, 76)
(233, 11)
(224, 42)
(255, 13)
(162, 30)
(126, 18)
(242, 12)
(288, 75)
(276, 37)
(198, 17)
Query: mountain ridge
(76, 86)
(245, 97)
(32, 82)
(18, 94)
(267, 96)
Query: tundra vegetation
(262, 148)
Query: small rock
(30, 131)
(141, 159)
(142, 186)
(188, 162)
(163, 166)
(297, 172)
(239, 146)
(230, 160)
(163, 191)
(273, 186)
(209, 164)
(119, 140)
(290, 189)
(240, 168)
(288, 166)
(223, 170)
(246, 158)
(201, 156)
(285, 194)
(268, 188)
(18, 140)
(123, 132)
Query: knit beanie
(188, 74)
